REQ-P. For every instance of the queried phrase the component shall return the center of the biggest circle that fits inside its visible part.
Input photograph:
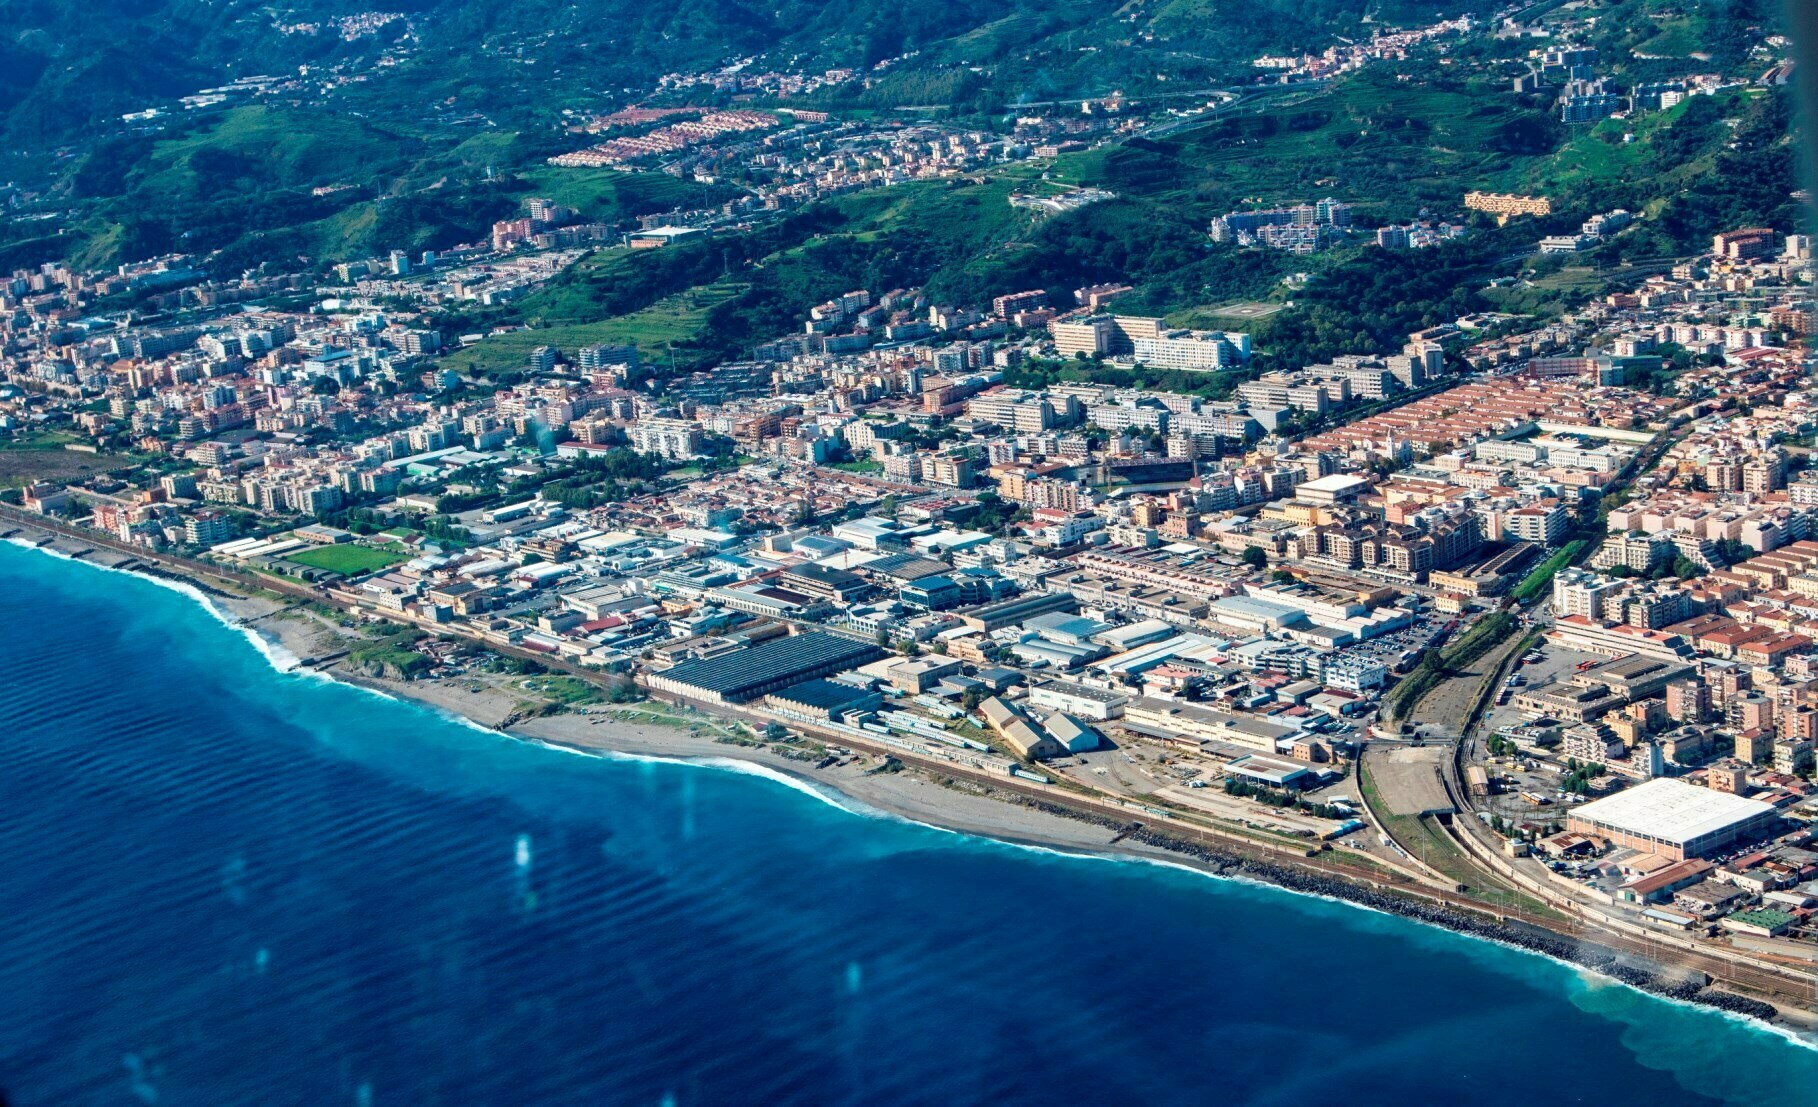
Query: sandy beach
(294, 632)
(499, 702)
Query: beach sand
(499, 702)
(296, 633)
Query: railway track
(1785, 984)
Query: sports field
(346, 559)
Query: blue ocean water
(228, 885)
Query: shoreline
(290, 636)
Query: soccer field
(346, 560)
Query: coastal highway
(1791, 989)
(1478, 851)
(1309, 860)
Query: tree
(622, 689)
(1733, 550)
(1685, 567)
(1255, 557)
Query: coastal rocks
(381, 669)
(1659, 980)
(190, 580)
(1730, 1001)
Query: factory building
(744, 675)
(1674, 819)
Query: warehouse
(1023, 740)
(1003, 613)
(744, 675)
(827, 583)
(1674, 819)
(1271, 773)
(1073, 734)
(1256, 616)
(823, 701)
(1189, 724)
(1083, 700)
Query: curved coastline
(1144, 846)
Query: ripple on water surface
(231, 885)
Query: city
(1218, 615)
(1447, 550)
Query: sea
(227, 883)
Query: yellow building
(1506, 204)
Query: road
(1405, 881)
(1481, 850)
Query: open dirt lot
(1407, 778)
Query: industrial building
(1082, 700)
(1072, 733)
(1017, 733)
(1190, 724)
(1674, 819)
(744, 675)
(1271, 773)
(993, 616)
(823, 701)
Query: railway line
(1783, 983)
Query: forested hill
(69, 70)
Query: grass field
(41, 456)
(609, 195)
(677, 319)
(347, 560)
(1227, 317)
(1598, 153)
(1679, 36)
(39, 440)
(567, 690)
(1538, 580)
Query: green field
(1386, 146)
(679, 320)
(571, 691)
(609, 195)
(1540, 578)
(348, 560)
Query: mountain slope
(68, 71)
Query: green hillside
(410, 165)
(67, 71)
(244, 182)
(1389, 147)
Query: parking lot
(1555, 665)
(1389, 648)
